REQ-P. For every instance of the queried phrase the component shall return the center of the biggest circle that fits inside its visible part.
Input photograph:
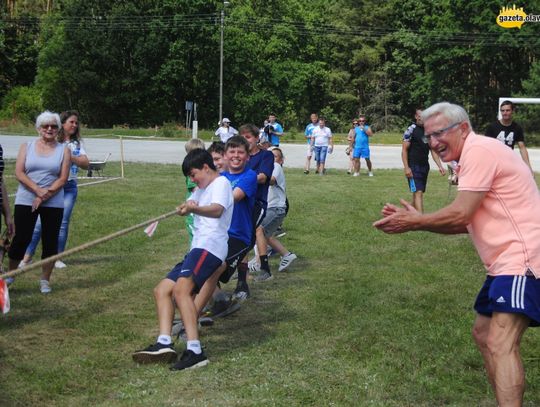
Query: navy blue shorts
(510, 294)
(199, 264)
(420, 174)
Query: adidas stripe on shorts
(511, 294)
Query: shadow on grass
(253, 325)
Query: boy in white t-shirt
(199, 271)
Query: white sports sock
(194, 346)
(164, 339)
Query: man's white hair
(454, 113)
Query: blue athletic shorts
(198, 264)
(361, 152)
(511, 294)
(320, 153)
(420, 175)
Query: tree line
(136, 62)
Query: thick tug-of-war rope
(16, 272)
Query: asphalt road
(173, 152)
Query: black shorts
(420, 175)
(236, 252)
(259, 212)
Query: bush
(169, 129)
(22, 104)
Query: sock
(242, 272)
(264, 263)
(194, 346)
(164, 339)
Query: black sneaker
(156, 353)
(190, 360)
(241, 292)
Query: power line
(264, 25)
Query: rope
(84, 246)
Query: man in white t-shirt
(322, 144)
(226, 131)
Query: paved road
(172, 152)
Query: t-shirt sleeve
(217, 132)
(248, 183)
(222, 192)
(267, 164)
(490, 131)
(518, 134)
(279, 176)
(82, 151)
(195, 196)
(279, 128)
(478, 171)
(329, 132)
(408, 133)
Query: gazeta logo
(511, 17)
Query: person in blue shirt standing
(361, 146)
(262, 162)
(307, 133)
(274, 130)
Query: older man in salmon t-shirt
(498, 205)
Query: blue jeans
(320, 153)
(70, 196)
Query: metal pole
(221, 65)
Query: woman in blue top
(42, 169)
(69, 134)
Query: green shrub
(21, 104)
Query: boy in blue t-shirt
(262, 162)
(244, 184)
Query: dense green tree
(138, 61)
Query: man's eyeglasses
(47, 126)
(437, 134)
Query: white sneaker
(254, 266)
(286, 261)
(24, 263)
(370, 174)
(59, 264)
(356, 174)
(44, 287)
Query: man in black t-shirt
(508, 131)
(415, 156)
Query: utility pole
(225, 4)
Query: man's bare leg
(504, 338)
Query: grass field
(361, 319)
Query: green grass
(362, 318)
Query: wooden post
(121, 157)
